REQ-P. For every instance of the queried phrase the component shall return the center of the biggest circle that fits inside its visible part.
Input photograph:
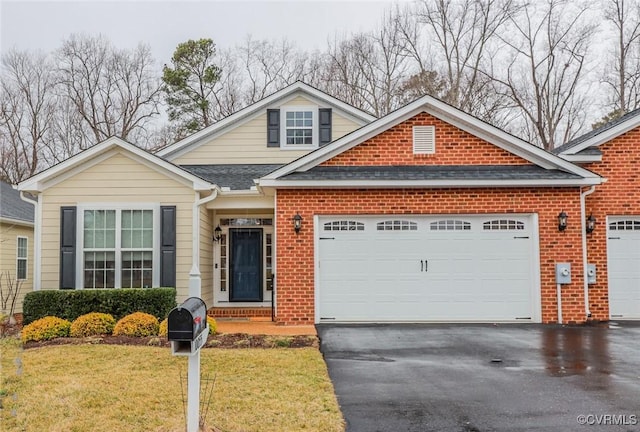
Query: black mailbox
(186, 323)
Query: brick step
(257, 313)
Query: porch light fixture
(591, 224)
(562, 221)
(297, 223)
(217, 234)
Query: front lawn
(134, 388)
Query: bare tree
(547, 48)
(26, 113)
(368, 70)
(623, 80)
(457, 40)
(116, 92)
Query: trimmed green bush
(137, 324)
(93, 324)
(70, 304)
(46, 328)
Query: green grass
(134, 388)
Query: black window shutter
(67, 247)
(325, 125)
(168, 246)
(273, 128)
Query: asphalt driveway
(421, 377)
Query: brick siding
(295, 252)
(619, 196)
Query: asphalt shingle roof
(434, 172)
(12, 206)
(596, 132)
(235, 177)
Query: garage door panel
(428, 269)
(623, 249)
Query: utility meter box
(591, 274)
(563, 273)
(187, 327)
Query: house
(613, 247)
(16, 243)
(306, 208)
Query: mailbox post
(187, 329)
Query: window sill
(298, 147)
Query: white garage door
(623, 250)
(450, 268)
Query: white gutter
(195, 282)
(37, 211)
(583, 216)
(394, 184)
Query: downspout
(195, 282)
(583, 216)
(37, 274)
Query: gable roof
(604, 133)
(234, 177)
(449, 114)
(102, 151)
(235, 119)
(12, 207)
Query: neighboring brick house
(613, 151)
(307, 204)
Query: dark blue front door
(246, 264)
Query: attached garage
(427, 268)
(623, 249)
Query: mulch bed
(218, 340)
(221, 340)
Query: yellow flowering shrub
(212, 325)
(46, 328)
(164, 328)
(92, 324)
(137, 324)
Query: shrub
(70, 304)
(137, 324)
(46, 328)
(92, 324)
(212, 325)
(164, 328)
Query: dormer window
(298, 127)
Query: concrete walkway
(263, 327)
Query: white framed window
(299, 126)
(119, 246)
(22, 251)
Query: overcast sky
(26, 24)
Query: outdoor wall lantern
(562, 221)
(591, 224)
(297, 222)
(217, 234)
